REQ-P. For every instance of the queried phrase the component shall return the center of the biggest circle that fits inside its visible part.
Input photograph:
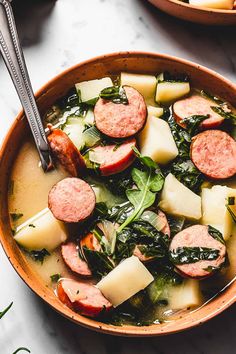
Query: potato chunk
(168, 92)
(177, 199)
(155, 111)
(145, 84)
(157, 142)
(213, 4)
(91, 89)
(124, 281)
(214, 211)
(186, 295)
(41, 231)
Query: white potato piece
(155, 111)
(184, 296)
(124, 281)
(177, 199)
(74, 129)
(41, 231)
(213, 4)
(167, 92)
(92, 88)
(157, 142)
(214, 211)
(145, 84)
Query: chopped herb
(55, 277)
(77, 292)
(32, 225)
(116, 94)
(39, 255)
(2, 313)
(167, 76)
(211, 269)
(216, 234)
(16, 216)
(20, 349)
(13, 231)
(187, 255)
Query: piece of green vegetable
(21, 349)
(216, 234)
(55, 277)
(193, 123)
(187, 255)
(98, 262)
(231, 201)
(148, 182)
(16, 216)
(227, 115)
(38, 255)
(116, 94)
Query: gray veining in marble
(56, 36)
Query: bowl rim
(203, 9)
(147, 331)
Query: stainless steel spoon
(12, 53)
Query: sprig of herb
(187, 255)
(2, 313)
(116, 94)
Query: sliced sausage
(114, 158)
(165, 230)
(82, 297)
(91, 242)
(66, 152)
(121, 120)
(214, 153)
(72, 259)
(71, 200)
(197, 105)
(198, 236)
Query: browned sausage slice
(82, 297)
(66, 152)
(120, 120)
(114, 159)
(198, 236)
(71, 200)
(214, 153)
(72, 259)
(166, 230)
(197, 105)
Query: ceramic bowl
(137, 62)
(196, 14)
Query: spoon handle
(12, 53)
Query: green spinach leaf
(216, 234)
(98, 262)
(193, 123)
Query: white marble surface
(56, 36)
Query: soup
(136, 223)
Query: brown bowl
(138, 62)
(196, 14)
